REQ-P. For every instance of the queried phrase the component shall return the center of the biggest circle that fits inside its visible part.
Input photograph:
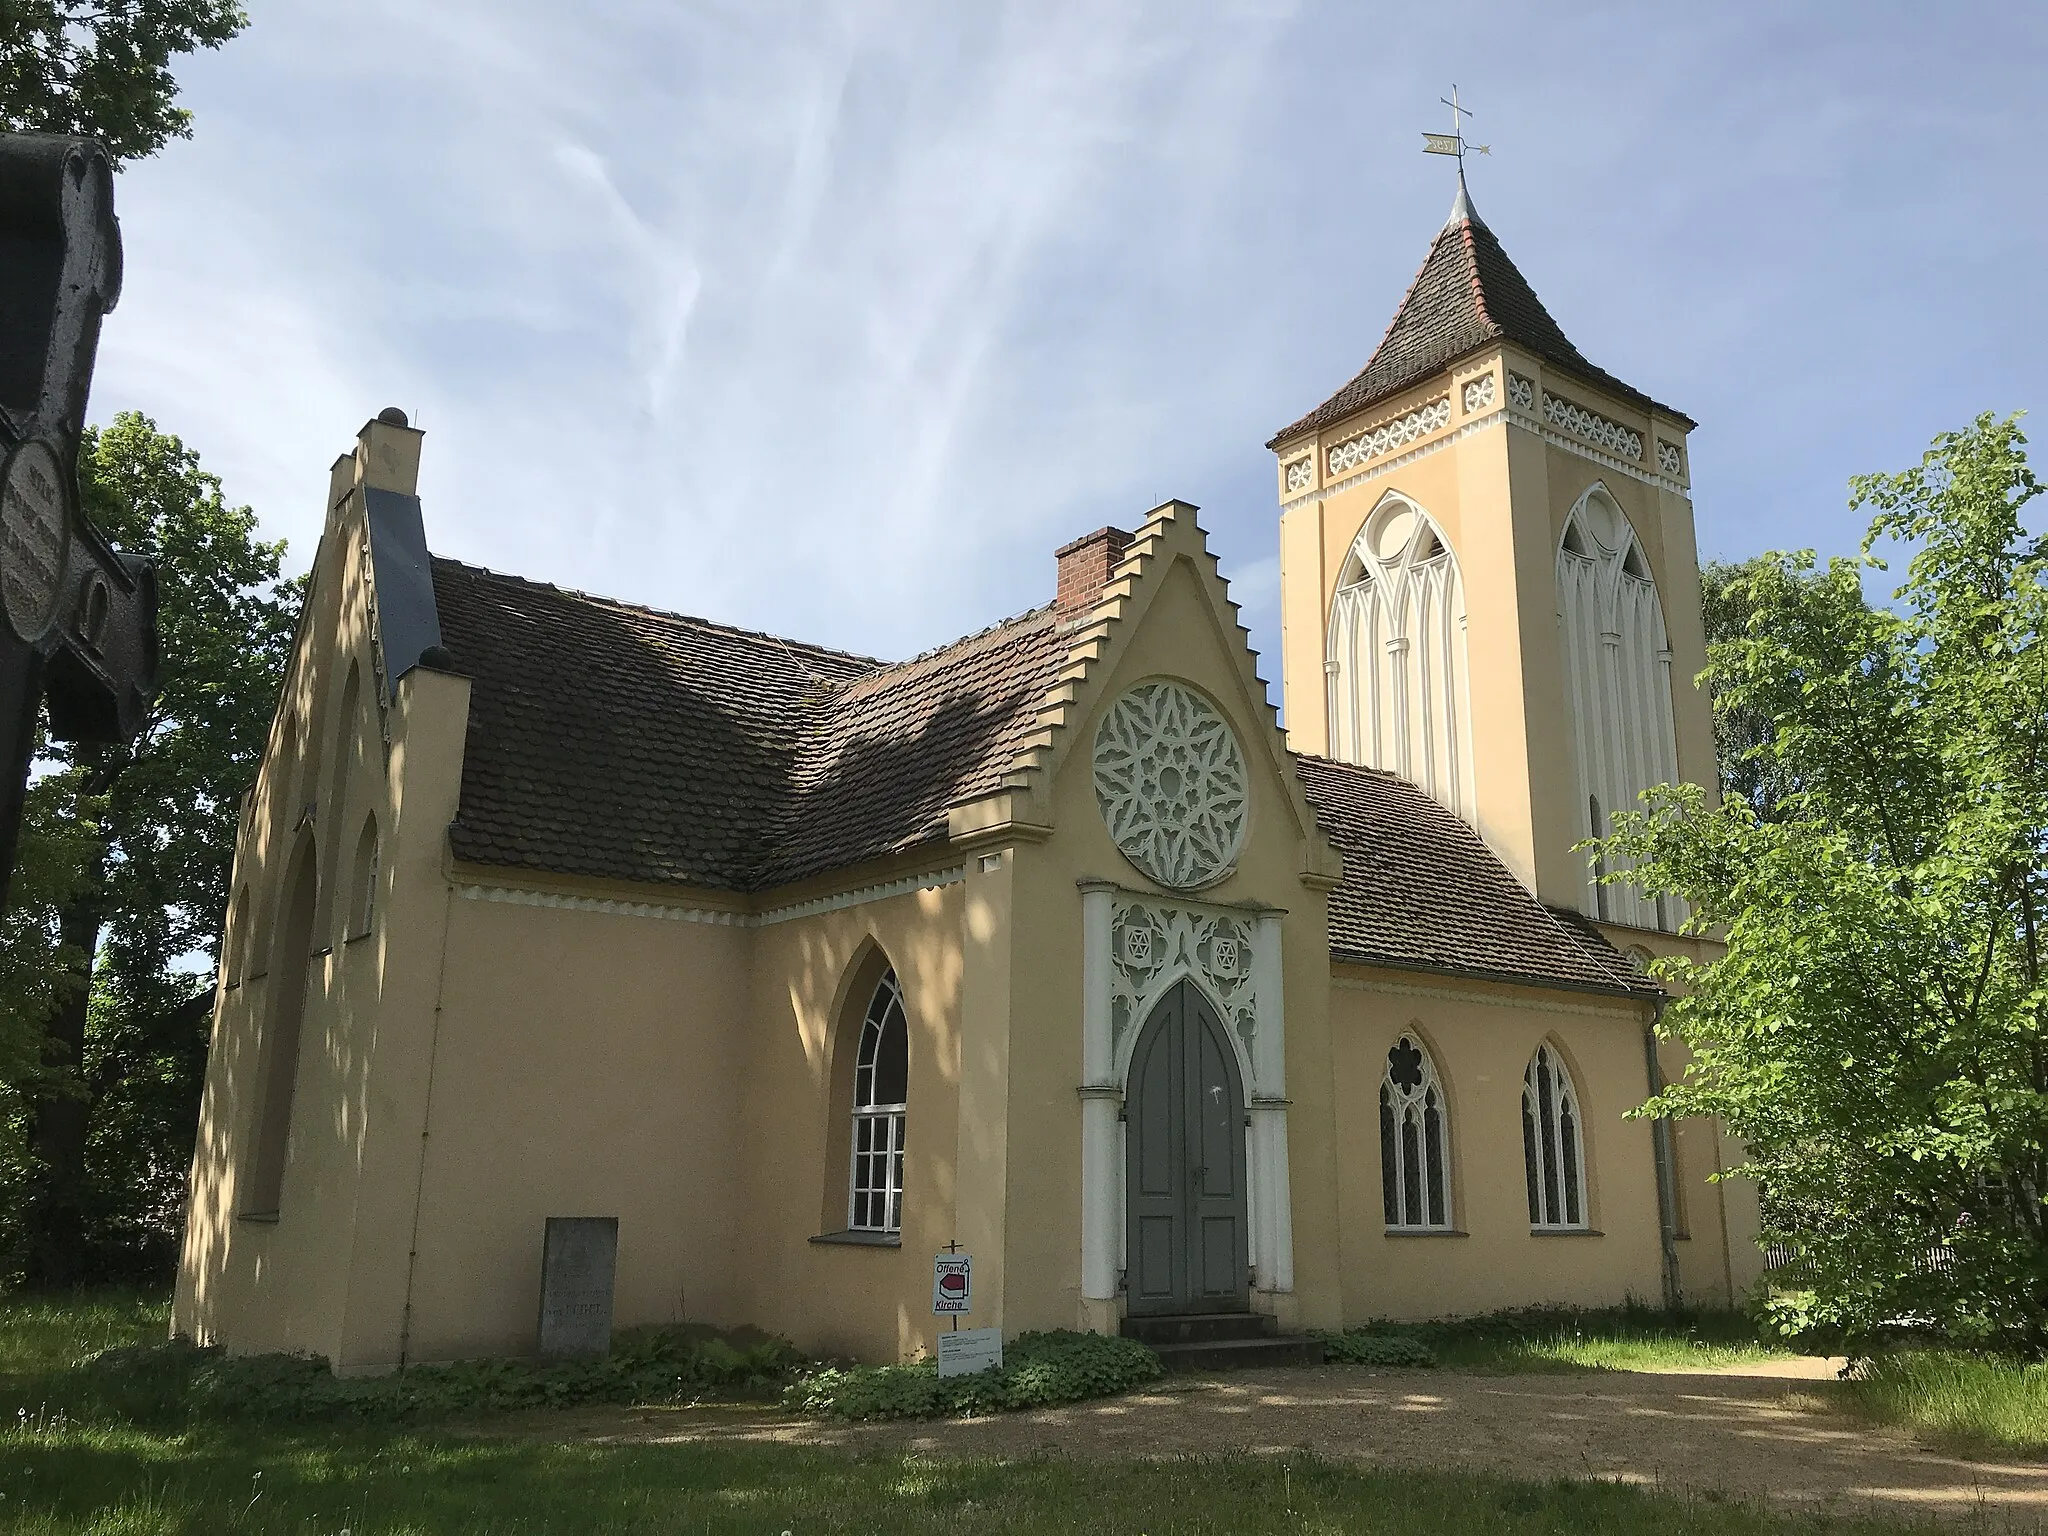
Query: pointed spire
(1467, 296)
(1461, 209)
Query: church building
(1050, 943)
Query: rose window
(1171, 783)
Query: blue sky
(834, 320)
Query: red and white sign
(952, 1283)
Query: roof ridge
(660, 613)
(953, 645)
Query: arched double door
(1187, 1246)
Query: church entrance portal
(1186, 1244)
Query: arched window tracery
(1396, 661)
(1415, 1139)
(881, 1091)
(1553, 1144)
(1618, 686)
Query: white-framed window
(881, 1083)
(1553, 1154)
(1415, 1141)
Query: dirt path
(1747, 1435)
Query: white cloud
(834, 319)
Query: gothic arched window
(1618, 686)
(362, 882)
(1414, 1140)
(1396, 662)
(1553, 1149)
(881, 1089)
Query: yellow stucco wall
(507, 1046)
(1501, 491)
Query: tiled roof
(629, 744)
(622, 743)
(1421, 891)
(1468, 295)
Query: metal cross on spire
(1453, 143)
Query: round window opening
(1170, 780)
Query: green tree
(1874, 1031)
(106, 1114)
(102, 67)
(1741, 728)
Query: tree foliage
(132, 851)
(102, 68)
(1874, 1032)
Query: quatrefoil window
(1171, 784)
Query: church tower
(1489, 583)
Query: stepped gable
(1421, 891)
(1467, 296)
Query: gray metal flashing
(408, 621)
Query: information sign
(968, 1350)
(952, 1284)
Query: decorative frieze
(1388, 435)
(1521, 392)
(1478, 395)
(1670, 459)
(1151, 945)
(1611, 435)
(1300, 473)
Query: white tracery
(1396, 664)
(1553, 1146)
(1152, 945)
(1670, 459)
(1479, 394)
(1414, 1141)
(1521, 392)
(1171, 784)
(1374, 441)
(1299, 473)
(1618, 686)
(1611, 435)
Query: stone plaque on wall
(579, 1258)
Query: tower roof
(1468, 295)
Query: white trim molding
(1507, 414)
(1491, 1000)
(1134, 948)
(722, 917)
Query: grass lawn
(1628, 1338)
(63, 1476)
(1975, 1404)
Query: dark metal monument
(77, 618)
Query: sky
(834, 320)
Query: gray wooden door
(1187, 1244)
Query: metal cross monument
(77, 618)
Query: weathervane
(1453, 143)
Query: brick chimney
(1085, 565)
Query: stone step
(1198, 1327)
(1240, 1354)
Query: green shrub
(1039, 1370)
(1365, 1346)
(173, 1381)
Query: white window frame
(1553, 1146)
(875, 1169)
(1410, 1105)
